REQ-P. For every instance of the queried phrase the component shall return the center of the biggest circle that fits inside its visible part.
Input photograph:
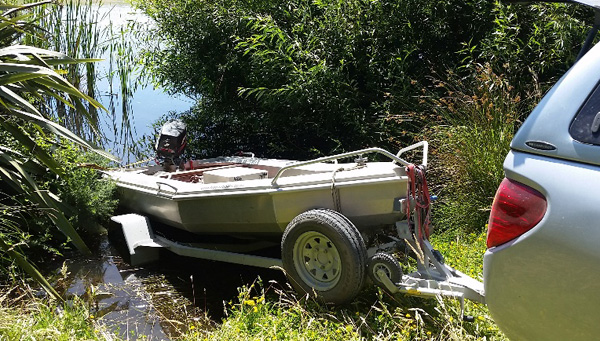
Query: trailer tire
(324, 254)
(386, 263)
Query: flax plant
(28, 75)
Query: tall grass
(480, 115)
(122, 69)
(25, 317)
(72, 28)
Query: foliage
(91, 199)
(531, 44)
(304, 78)
(28, 75)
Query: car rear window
(586, 125)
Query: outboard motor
(171, 143)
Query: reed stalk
(76, 28)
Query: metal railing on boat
(395, 158)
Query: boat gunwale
(243, 188)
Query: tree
(303, 78)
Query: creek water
(147, 103)
(156, 301)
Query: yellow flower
(407, 315)
(250, 303)
(192, 327)
(255, 309)
(349, 328)
(91, 316)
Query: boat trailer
(410, 236)
(433, 277)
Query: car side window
(586, 125)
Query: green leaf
(44, 200)
(68, 88)
(26, 6)
(13, 98)
(30, 145)
(63, 132)
(28, 267)
(15, 78)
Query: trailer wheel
(386, 263)
(324, 254)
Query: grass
(25, 317)
(268, 311)
(478, 117)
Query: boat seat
(233, 174)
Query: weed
(92, 198)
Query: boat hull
(266, 213)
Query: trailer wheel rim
(317, 261)
(384, 268)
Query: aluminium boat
(249, 196)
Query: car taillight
(516, 209)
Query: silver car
(542, 266)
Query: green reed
(76, 28)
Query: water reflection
(160, 300)
(145, 104)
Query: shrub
(304, 78)
(92, 198)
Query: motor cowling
(171, 142)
